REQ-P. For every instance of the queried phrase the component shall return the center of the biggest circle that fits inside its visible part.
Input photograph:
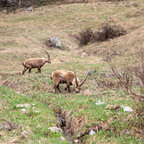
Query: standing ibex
(35, 63)
(68, 77)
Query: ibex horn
(76, 80)
(83, 80)
(48, 55)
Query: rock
(54, 42)
(37, 111)
(23, 106)
(25, 134)
(23, 111)
(126, 108)
(99, 102)
(84, 54)
(78, 135)
(29, 9)
(113, 107)
(76, 141)
(92, 132)
(5, 11)
(55, 129)
(62, 138)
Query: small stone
(55, 129)
(76, 141)
(25, 134)
(127, 108)
(78, 135)
(92, 132)
(29, 9)
(23, 106)
(36, 111)
(23, 111)
(99, 102)
(62, 138)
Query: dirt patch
(7, 125)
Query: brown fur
(35, 63)
(67, 77)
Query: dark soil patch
(7, 125)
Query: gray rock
(76, 141)
(62, 138)
(23, 106)
(23, 111)
(55, 42)
(92, 132)
(126, 108)
(99, 102)
(55, 129)
(29, 9)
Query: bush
(107, 32)
(86, 36)
(104, 33)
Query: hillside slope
(22, 36)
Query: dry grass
(22, 34)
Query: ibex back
(35, 63)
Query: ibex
(35, 63)
(68, 77)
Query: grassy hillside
(22, 36)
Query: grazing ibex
(35, 63)
(67, 77)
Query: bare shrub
(105, 82)
(101, 34)
(127, 81)
(107, 32)
(139, 73)
(125, 78)
(86, 36)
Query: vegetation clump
(104, 33)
